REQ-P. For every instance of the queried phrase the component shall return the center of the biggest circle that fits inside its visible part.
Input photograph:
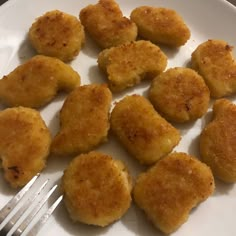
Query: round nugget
(57, 34)
(180, 95)
(160, 25)
(171, 188)
(96, 189)
(24, 144)
(218, 141)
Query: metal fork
(10, 216)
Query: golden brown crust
(126, 65)
(24, 144)
(57, 34)
(84, 120)
(171, 188)
(180, 94)
(96, 189)
(36, 82)
(218, 141)
(213, 60)
(143, 132)
(160, 25)
(106, 24)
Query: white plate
(213, 19)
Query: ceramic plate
(208, 19)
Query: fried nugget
(24, 144)
(218, 141)
(213, 60)
(171, 188)
(160, 25)
(180, 94)
(36, 82)
(143, 132)
(106, 24)
(96, 189)
(84, 120)
(57, 34)
(126, 65)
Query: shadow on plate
(26, 51)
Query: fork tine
(44, 217)
(4, 212)
(31, 215)
(9, 225)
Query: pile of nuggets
(98, 188)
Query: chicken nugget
(106, 24)
(36, 82)
(24, 144)
(143, 132)
(169, 190)
(96, 189)
(126, 65)
(160, 25)
(180, 94)
(84, 120)
(57, 34)
(218, 141)
(213, 60)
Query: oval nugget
(171, 188)
(218, 141)
(24, 144)
(160, 25)
(214, 61)
(57, 34)
(37, 81)
(180, 94)
(84, 120)
(106, 24)
(126, 65)
(96, 189)
(143, 132)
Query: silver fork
(10, 215)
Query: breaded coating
(96, 189)
(84, 120)
(218, 141)
(161, 25)
(106, 24)
(57, 34)
(213, 60)
(126, 65)
(24, 144)
(169, 190)
(142, 131)
(180, 95)
(36, 82)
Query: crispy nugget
(143, 132)
(57, 34)
(24, 144)
(36, 82)
(171, 188)
(213, 60)
(96, 189)
(218, 141)
(160, 25)
(106, 24)
(126, 65)
(180, 94)
(84, 120)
